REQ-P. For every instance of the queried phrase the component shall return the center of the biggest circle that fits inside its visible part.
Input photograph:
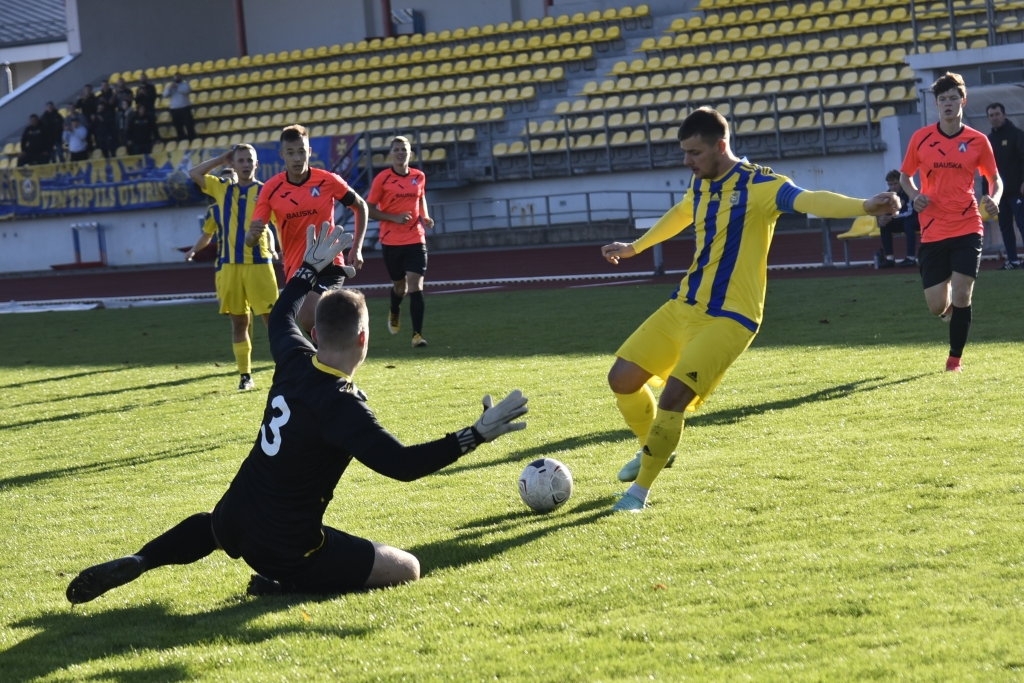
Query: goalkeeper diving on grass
(713, 315)
(315, 422)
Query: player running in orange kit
(299, 197)
(947, 155)
(398, 200)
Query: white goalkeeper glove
(321, 250)
(495, 421)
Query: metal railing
(552, 210)
(990, 21)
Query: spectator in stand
(35, 143)
(106, 95)
(87, 104)
(1008, 146)
(123, 120)
(104, 127)
(141, 132)
(178, 92)
(53, 122)
(145, 95)
(76, 138)
(124, 93)
(905, 221)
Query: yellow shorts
(682, 342)
(244, 285)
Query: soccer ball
(545, 485)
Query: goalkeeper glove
(495, 421)
(322, 249)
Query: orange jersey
(295, 207)
(393, 193)
(947, 165)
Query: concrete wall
(133, 238)
(121, 35)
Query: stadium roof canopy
(29, 22)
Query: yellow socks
(638, 409)
(661, 441)
(243, 356)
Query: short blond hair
(401, 138)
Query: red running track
(542, 261)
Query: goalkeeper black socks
(188, 542)
(396, 302)
(416, 308)
(959, 326)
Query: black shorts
(341, 565)
(331, 277)
(939, 260)
(405, 258)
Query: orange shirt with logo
(947, 165)
(394, 193)
(295, 207)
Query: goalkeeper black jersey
(314, 423)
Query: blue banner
(142, 182)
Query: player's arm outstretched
(678, 218)
(827, 204)
(366, 440)
(321, 249)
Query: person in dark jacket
(35, 143)
(905, 221)
(107, 95)
(53, 122)
(123, 120)
(1008, 146)
(104, 127)
(316, 422)
(145, 95)
(87, 104)
(124, 93)
(141, 132)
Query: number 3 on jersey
(272, 446)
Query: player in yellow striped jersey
(245, 270)
(713, 315)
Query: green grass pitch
(841, 508)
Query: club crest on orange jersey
(314, 191)
(962, 147)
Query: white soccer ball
(545, 484)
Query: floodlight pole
(243, 44)
(385, 11)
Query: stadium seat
(863, 226)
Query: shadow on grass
(63, 378)
(465, 549)
(93, 468)
(547, 449)
(113, 392)
(103, 411)
(734, 415)
(69, 638)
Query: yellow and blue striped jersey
(734, 217)
(232, 215)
